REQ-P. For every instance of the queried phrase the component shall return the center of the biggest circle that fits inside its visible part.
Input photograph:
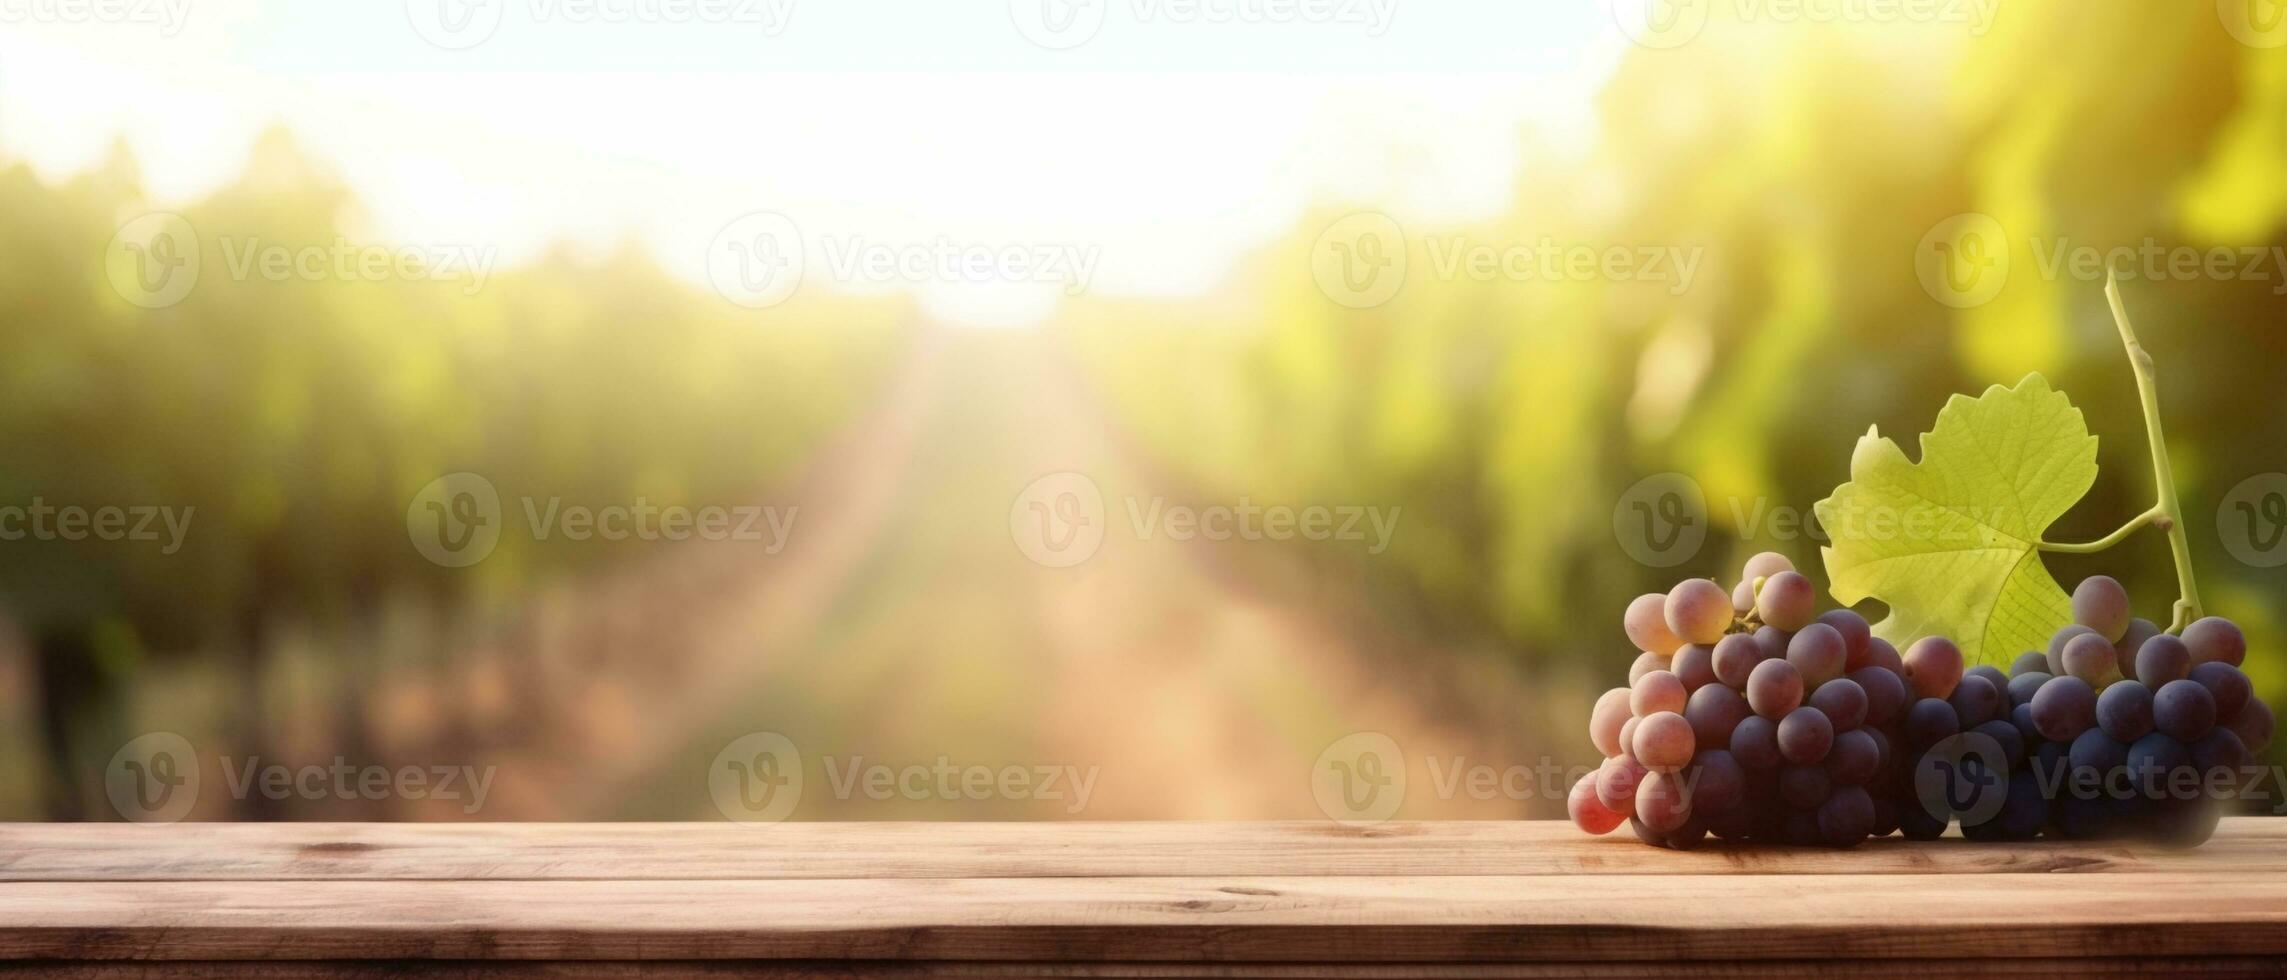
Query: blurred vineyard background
(1503, 419)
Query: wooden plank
(1905, 969)
(521, 852)
(1487, 919)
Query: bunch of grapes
(2127, 730)
(1750, 715)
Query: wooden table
(1285, 899)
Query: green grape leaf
(1951, 543)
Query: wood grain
(1478, 899)
(681, 852)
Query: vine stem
(2169, 512)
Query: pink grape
(1647, 625)
(1659, 691)
(2091, 658)
(1663, 742)
(1662, 802)
(1766, 564)
(1818, 654)
(1616, 782)
(1933, 667)
(2100, 604)
(1775, 688)
(1588, 812)
(1698, 611)
(2216, 640)
(1604, 723)
(1787, 601)
(1645, 664)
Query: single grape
(1616, 782)
(1718, 783)
(1774, 688)
(1885, 694)
(1588, 812)
(1976, 701)
(1787, 600)
(1658, 691)
(2031, 661)
(1847, 816)
(1604, 722)
(2064, 708)
(1805, 787)
(1714, 711)
(1917, 823)
(1930, 721)
(1881, 748)
(2253, 725)
(2092, 758)
(1857, 637)
(2161, 659)
(1687, 837)
(2057, 646)
(1755, 743)
(1647, 625)
(1662, 803)
(1698, 611)
(1735, 657)
(1992, 675)
(1880, 653)
(1933, 667)
(1805, 736)
(2216, 639)
(2100, 604)
(1854, 758)
(1764, 565)
(1628, 734)
(1842, 701)
(2025, 811)
(2124, 711)
(2132, 642)
(1694, 665)
(2005, 735)
(2152, 762)
(1663, 742)
(1645, 664)
(2228, 684)
(2091, 658)
(1818, 653)
(1771, 642)
(2183, 823)
(2023, 686)
(1743, 598)
(2184, 710)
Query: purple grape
(2161, 659)
(1847, 817)
(1734, 659)
(2132, 642)
(1771, 642)
(2216, 640)
(1719, 784)
(2153, 760)
(2228, 684)
(2029, 662)
(2064, 708)
(1713, 712)
(2021, 717)
(1976, 701)
(2184, 710)
(1842, 701)
(1879, 653)
(1992, 675)
(1818, 653)
(1885, 694)
(1805, 736)
(2093, 757)
(1755, 743)
(2006, 735)
(2124, 711)
(1694, 665)
(1854, 759)
(2023, 686)
(1930, 721)
(2100, 604)
(1857, 637)
(2091, 658)
(2057, 646)
(2253, 725)
(2220, 749)
(1774, 688)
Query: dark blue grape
(1755, 742)
(2023, 686)
(2221, 750)
(1992, 675)
(2162, 659)
(2153, 762)
(2006, 735)
(2182, 822)
(2093, 758)
(1930, 721)
(2229, 686)
(2029, 662)
(2124, 711)
(2064, 708)
(1976, 700)
(2021, 716)
(2184, 710)
(1919, 824)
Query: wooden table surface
(1103, 899)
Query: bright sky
(1169, 135)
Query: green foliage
(1952, 543)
